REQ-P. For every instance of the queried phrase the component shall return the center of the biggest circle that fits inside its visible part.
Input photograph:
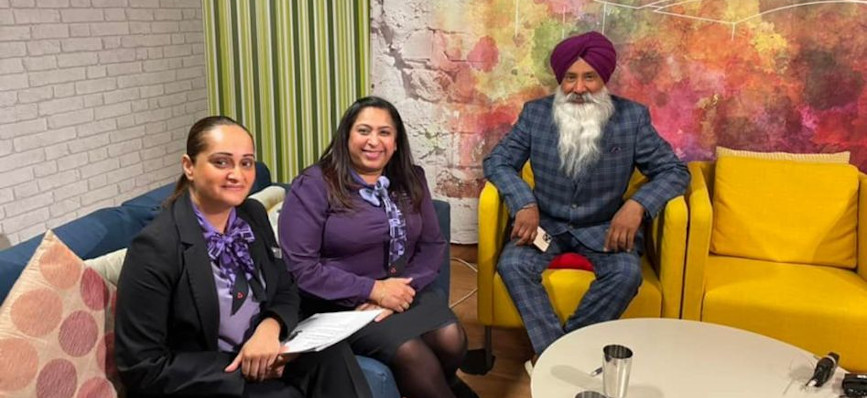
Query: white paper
(321, 331)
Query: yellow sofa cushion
(817, 308)
(566, 287)
(785, 211)
(836, 157)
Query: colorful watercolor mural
(781, 75)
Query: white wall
(96, 98)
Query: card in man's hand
(543, 240)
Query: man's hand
(394, 294)
(526, 225)
(624, 226)
(260, 353)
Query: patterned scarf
(230, 251)
(377, 195)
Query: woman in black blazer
(203, 304)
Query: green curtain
(286, 69)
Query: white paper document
(321, 331)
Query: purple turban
(592, 47)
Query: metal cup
(615, 370)
(589, 394)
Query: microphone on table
(824, 369)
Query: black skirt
(379, 340)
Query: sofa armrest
(493, 217)
(698, 240)
(862, 226)
(443, 211)
(668, 238)
(263, 177)
(270, 196)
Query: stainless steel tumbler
(615, 370)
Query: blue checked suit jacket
(585, 206)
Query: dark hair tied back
(196, 143)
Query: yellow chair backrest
(527, 175)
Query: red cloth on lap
(571, 261)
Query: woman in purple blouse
(203, 302)
(359, 231)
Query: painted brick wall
(96, 98)
(405, 69)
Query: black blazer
(167, 311)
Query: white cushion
(108, 265)
(270, 197)
(274, 216)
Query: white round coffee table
(676, 358)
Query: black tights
(426, 366)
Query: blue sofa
(110, 229)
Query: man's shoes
(462, 390)
(530, 364)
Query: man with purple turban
(583, 145)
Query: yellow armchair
(806, 299)
(662, 267)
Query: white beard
(580, 126)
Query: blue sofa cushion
(93, 235)
(263, 178)
(379, 378)
(152, 200)
(103, 231)
(12, 262)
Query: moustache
(581, 98)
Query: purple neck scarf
(378, 196)
(230, 251)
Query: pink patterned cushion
(57, 329)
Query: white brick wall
(96, 97)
